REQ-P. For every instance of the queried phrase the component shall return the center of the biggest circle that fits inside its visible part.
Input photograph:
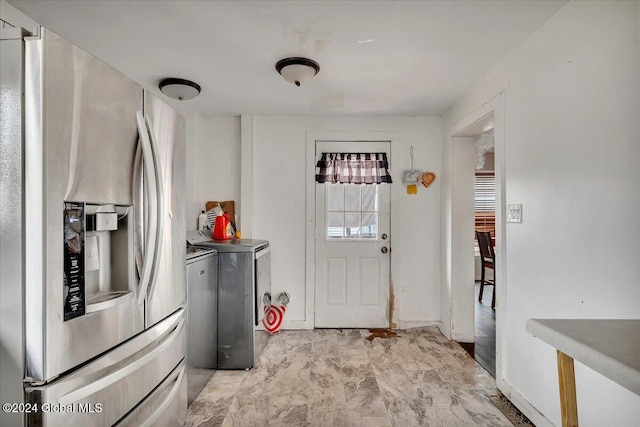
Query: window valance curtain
(353, 168)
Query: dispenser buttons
(106, 221)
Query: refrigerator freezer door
(166, 291)
(81, 138)
(165, 407)
(103, 391)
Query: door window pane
(335, 225)
(369, 226)
(352, 211)
(370, 198)
(352, 225)
(352, 198)
(335, 197)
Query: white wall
(213, 163)
(279, 198)
(191, 205)
(572, 137)
(462, 238)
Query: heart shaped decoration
(428, 178)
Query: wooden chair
(488, 259)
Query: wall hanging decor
(411, 177)
(428, 178)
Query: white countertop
(608, 346)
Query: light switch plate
(514, 213)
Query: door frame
(459, 292)
(310, 223)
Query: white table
(608, 346)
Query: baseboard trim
(523, 404)
(296, 325)
(444, 330)
(303, 324)
(407, 324)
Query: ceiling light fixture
(297, 70)
(488, 127)
(366, 41)
(179, 89)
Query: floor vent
(511, 412)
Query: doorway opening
(476, 208)
(483, 349)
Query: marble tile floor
(332, 378)
(197, 379)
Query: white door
(352, 248)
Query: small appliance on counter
(244, 276)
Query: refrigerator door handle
(160, 205)
(115, 376)
(166, 402)
(151, 235)
(140, 222)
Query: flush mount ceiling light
(179, 88)
(297, 70)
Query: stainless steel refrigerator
(92, 321)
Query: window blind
(485, 192)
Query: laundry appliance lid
(203, 238)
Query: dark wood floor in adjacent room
(484, 349)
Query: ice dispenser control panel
(74, 248)
(98, 256)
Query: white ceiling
(425, 54)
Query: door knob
(383, 236)
(384, 250)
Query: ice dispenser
(99, 257)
